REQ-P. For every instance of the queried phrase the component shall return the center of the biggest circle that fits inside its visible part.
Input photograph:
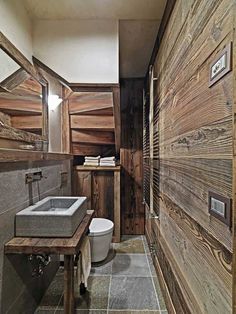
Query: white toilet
(100, 236)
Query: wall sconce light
(53, 101)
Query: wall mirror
(23, 101)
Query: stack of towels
(108, 162)
(92, 161)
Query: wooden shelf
(13, 155)
(101, 168)
(66, 246)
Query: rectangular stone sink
(51, 217)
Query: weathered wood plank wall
(193, 154)
(132, 208)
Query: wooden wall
(132, 208)
(193, 155)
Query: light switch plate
(221, 65)
(220, 207)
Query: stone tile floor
(126, 284)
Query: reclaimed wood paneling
(131, 156)
(193, 152)
(103, 194)
(89, 122)
(90, 137)
(82, 185)
(101, 185)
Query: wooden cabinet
(101, 185)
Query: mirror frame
(31, 69)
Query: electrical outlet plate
(220, 207)
(221, 65)
(33, 176)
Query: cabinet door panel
(82, 185)
(103, 194)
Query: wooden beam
(50, 71)
(90, 137)
(102, 123)
(17, 56)
(65, 123)
(15, 79)
(117, 117)
(88, 87)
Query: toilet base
(100, 246)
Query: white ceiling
(139, 24)
(101, 9)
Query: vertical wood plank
(65, 123)
(103, 194)
(116, 237)
(82, 185)
(132, 208)
(69, 301)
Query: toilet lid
(100, 226)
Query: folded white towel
(108, 158)
(108, 164)
(92, 158)
(84, 262)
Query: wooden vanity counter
(69, 247)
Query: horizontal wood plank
(103, 123)
(27, 122)
(90, 137)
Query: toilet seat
(100, 226)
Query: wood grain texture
(192, 155)
(90, 137)
(103, 194)
(131, 156)
(9, 155)
(82, 185)
(101, 185)
(81, 149)
(89, 101)
(66, 246)
(69, 293)
(234, 164)
(65, 123)
(89, 122)
(17, 56)
(27, 122)
(117, 117)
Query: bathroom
(117, 181)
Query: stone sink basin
(51, 217)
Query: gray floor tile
(132, 293)
(134, 312)
(96, 296)
(91, 311)
(130, 245)
(146, 247)
(45, 311)
(152, 268)
(102, 270)
(159, 294)
(130, 265)
(54, 292)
